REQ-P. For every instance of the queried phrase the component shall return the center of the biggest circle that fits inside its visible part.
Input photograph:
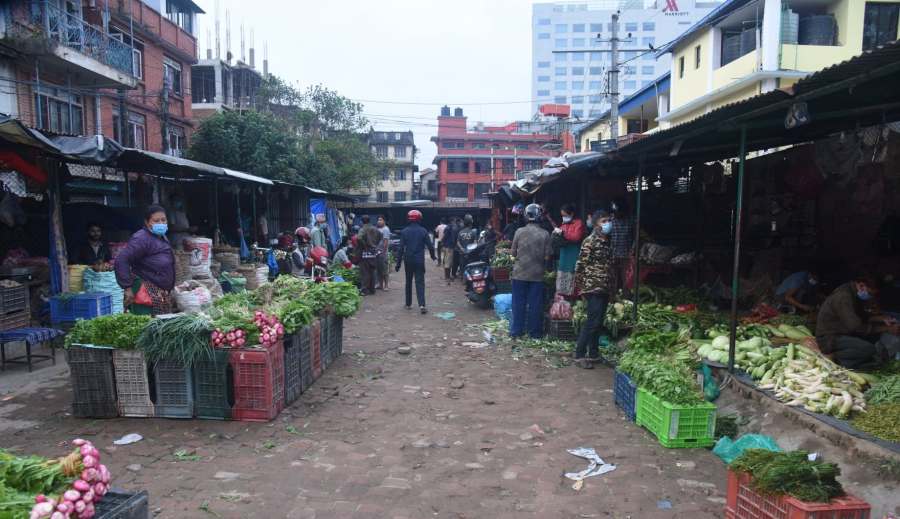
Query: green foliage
(350, 275)
(184, 338)
(792, 473)
(295, 315)
(31, 474)
(664, 377)
(115, 331)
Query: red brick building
(474, 161)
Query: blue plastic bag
(273, 264)
(729, 450)
(503, 306)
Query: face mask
(159, 229)
(606, 227)
(567, 219)
(863, 295)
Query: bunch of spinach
(295, 315)
(663, 376)
(115, 331)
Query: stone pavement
(450, 430)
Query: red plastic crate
(742, 502)
(500, 273)
(258, 382)
(315, 347)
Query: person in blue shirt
(797, 291)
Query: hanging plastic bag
(560, 310)
(272, 263)
(710, 386)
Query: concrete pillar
(771, 35)
(217, 72)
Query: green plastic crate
(676, 426)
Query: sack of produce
(106, 283)
(200, 250)
(192, 297)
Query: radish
(78, 442)
(58, 515)
(89, 462)
(81, 485)
(72, 495)
(241, 342)
(40, 498)
(80, 506)
(100, 489)
(104, 474)
(86, 449)
(88, 496)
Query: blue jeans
(527, 308)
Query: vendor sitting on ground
(95, 250)
(797, 293)
(855, 339)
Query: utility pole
(614, 82)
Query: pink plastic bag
(560, 310)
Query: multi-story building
(747, 48)
(396, 154)
(220, 85)
(474, 161)
(428, 184)
(570, 49)
(73, 66)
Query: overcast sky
(387, 52)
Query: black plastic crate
(561, 330)
(212, 387)
(174, 390)
(292, 377)
(306, 373)
(119, 504)
(336, 336)
(13, 299)
(93, 382)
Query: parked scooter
(480, 285)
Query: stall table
(31, 337)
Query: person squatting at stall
(531, 248)
(414, 239)
(369, 248)
(342, 255)
(95, 250)
(567, 238)
(593, 273)
(797, 292)
(146, 266)
(844, 330)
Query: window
(481, 190)
(595, 85)
(561, 43)
(560, 28)
(399, 196)
(543, 93)
(478, 146)
(596, 43)
(177, 141)
(172, 75)
(596, 71)
(543, 21)
(648, 70)
(629, 85)
(522, 146)
(595, 99)
(630, 54)
(596, 56)
(544, 36)
(647, 41)
(182, 18)
(578, 113)
(482, 165)
(629, 70)
(648, 26)
(681, 67)
(560, 100)
(577, 100)
(399, 151)
(135, 132)
(506, 166)
(646, 83)
(578, 27)
(381, 151)
(596, 27)
(577, 42)
(543, 79)
(543, 64)
(559, 85)
(697, 57)
(560, 57)
(631, 26)
(530, 164)
(595, 112)
(879, 24)
(53, 108)
(458, 190)
(560, 71)
(381, 196)
(577, 85)
(577, 56)
(457, 166)
(577, 71)
(385, 175)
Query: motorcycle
(480, 285)
(317, 264)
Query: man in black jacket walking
(414, 239)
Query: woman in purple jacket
(149, 258)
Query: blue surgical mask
(606, 227)
(159, 229)
(566, 219)
(863, 295)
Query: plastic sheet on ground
(729, 450)
(447, 316)
(596, 467)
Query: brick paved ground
(445, 432)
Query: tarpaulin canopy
(86, 150)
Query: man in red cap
(414, 239)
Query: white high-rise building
(570, 48)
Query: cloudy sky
(403, 59)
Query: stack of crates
(174, 389)
(292, 376)
(676, 426)
(14, 307)
(68, 308)
(315, 348)
(625, 394)
(305, 358)
(93, 382)
(211, 387)
(258, 382)
(132, 383)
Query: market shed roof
(161, 164)
(85, 150)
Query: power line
(441, 103)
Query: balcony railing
(73, 32)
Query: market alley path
(455, 429)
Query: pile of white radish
(796, 374)
(78, 501)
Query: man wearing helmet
(300, 252)
(531, 248)
(467, 235)
(414, 239)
